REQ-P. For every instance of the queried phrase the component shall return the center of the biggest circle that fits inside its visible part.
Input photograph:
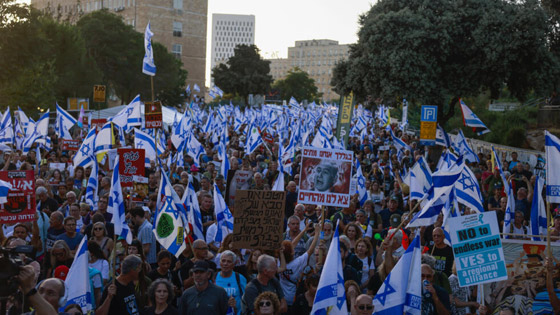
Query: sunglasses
(58, 254)
(266, 303)
(364, 307)
(98, 229)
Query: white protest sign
(477, 247)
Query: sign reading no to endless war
(477, 248)
(259, 219)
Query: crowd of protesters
(210, 277)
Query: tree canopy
(297, 84)
(437, 50)
(245, 73)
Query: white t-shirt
(103, 266)
(366, 268)
(211, 235)
(290, 277)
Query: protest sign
(236, 180)
(153, 114)
(477, 248)
(21, 198)
(259, 219)
(70, 145)
(325, 177)
(57, 166)
(98, 123)
(132, 163)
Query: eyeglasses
(363, 307)
(265, 303)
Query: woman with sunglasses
(99, 235)
(267, 303)
(60, 256)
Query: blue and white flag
(194, 149)
(194, 216)
(510, 208)
(215, 92)
(224, 166)
(461, 146)
(552, 149)
(224, 218)
(321, 141)
(253, 139)
(116, 206)
(361, 189)
(420, 179)
(19, 135)
(77, 281)
(6, 128)
(37, 133)
(130, 115)
(468, 192)
(399, 144)
(64, 122)
(442, 138)
(539, 223)
(144, 141)
(294, 103)
(148, 65)
(442, 183)
(331, 297)
(401, 292)
(4, 189)
(471, 120)
(279, 182)
(188, 90)
(85, 155)
(104, 141)
(196, 88)
(23, 119)
(171, 221)
(92, 196)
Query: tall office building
(180, 25)
(317, 57)
(228, 31)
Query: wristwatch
(31, 292)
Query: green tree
(118, 51)
(297, 84)
(245, 73)
(433, 52)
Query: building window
(176, 51)
(178, 4)
(177, 29)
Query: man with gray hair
(230, 280)
(265, 281)
(119, 297)
(45, 203)
(293, 232)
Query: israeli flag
(130, 115)
(442, 138)
(188, 90)
(6, 128)
(215, 92)
(85, 155)
(321, 141)
(361, 186)
(24, 120)
(224, 218)
(399, 144)
(468, 191)
(279, 182)
(148, 65)
(294, 103)
(194, 149)
(92, 187)
(331, 297)
(253, 140)
(471, 120)
(4, 189)
(194, 216)
(104, 141)
(64, 122)
(171, 222)
(196, 88)
(420, 179)
(401, 292)
(77, 282)
(510, 208)
(442, 183)
(116, 206)
(144, 141)
(224, 166)
(552, 148)
(461, 146)
(181, 132)
(539, 224)
(19, 136)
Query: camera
(10, 261)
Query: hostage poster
(21, 198)
(325, 177)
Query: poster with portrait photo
(325, 177)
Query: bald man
(363, 305)
(442, 252)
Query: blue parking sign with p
(429, 113)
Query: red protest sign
(98, 123)
(131, 163)
(70, 145)
(153, 114)
(21, 198)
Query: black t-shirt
(301, 306)
(386, 216)
(124, 302)
(49, 204)
(428, 305)
(52, 234)
(170, 310)
(171, 276)
(183, 272)
(444, 259)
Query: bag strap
(238, 283)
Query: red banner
(153, 114)
(21, 198)
(70, 145)
(131, 163)
(98, 123)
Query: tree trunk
(443, 118)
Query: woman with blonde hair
(60, 256)
(99, 236)
(267, 303)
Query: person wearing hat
(204, 297)
(392, 209)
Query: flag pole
(549, 250)
(114, 262)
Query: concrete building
(317, 57)
(228, 31)
(180, 25)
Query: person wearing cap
(204, 297)
(392, 209)
(220, 182)
(119, 297)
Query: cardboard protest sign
(259, 219)
(477, 248)
(21, 198)
(132, 163)
(237, 180)
(70, 145)
(325, 177)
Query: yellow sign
(428, 130)
(99, 93)
(346, 109)
(75, 103)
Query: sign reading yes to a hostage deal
(477, 247)
(132, 163)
